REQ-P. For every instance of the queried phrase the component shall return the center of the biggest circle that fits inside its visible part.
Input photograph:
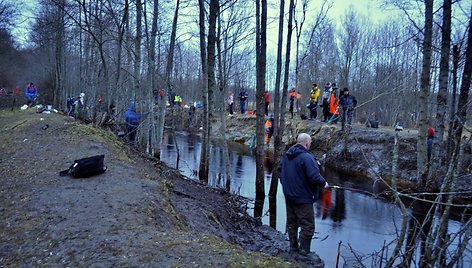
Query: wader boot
(305, 244)
(293, 237)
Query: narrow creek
(349, 219)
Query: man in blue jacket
(243, 95)
(300, 178)
(348, 103)
(132, 122)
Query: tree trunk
(154, 142)
(261, 46)
(298, 34)
(287, 66)
(169, 67)
(278, 129)
(421, 154)
(221, 100)
(461, 116)
(205, 152)
(137, 63)
(443, 80)
(59, 53)
(452, 109)
(214, 9)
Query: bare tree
(421, 155)
(453, 106)
(444, 74)
(137, 48)
(214, 10)
(154, 94)
(59, 53)
(350, 45)
(298, 33)
(232, 30)
(279, 111)
(261, 47)
(8, 11)
(205, 152)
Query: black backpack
(85, 167)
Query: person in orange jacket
(269, 128)
(334, 107)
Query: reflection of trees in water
(419, 226)
(258, 208)
(268, 162)
(169, 141)
(273, 212)
(326, 203)
(239, 166)
(338, 214)
(190, 143)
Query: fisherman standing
(300, 177)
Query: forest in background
(413, 68)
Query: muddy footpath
(138, 213)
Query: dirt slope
(138, 213)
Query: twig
(19, 124)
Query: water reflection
(339, 209)
(326, 203)
(239, 166)
(356, 219)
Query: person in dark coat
(132, 122)
(347, 103)
(243, 95)
(300, 178)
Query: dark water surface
(360, 222)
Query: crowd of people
(335, 105)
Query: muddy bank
(369, 151)
(138, 213)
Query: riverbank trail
(138, 213)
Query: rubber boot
(305, 244)
(293, 237)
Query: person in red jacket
(267, 102)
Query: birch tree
(421, 155)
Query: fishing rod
(340, 187)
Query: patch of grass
(237, 256)
(217, 251)
(117, 147)
(167, 206)
(11, 123)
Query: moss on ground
(78, 131)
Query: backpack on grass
(85, 167)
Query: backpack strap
(64, 173)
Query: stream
(347, 218)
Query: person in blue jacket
(31, 93)
(243, 95)
(132, 122)
(347, 103)
(300, 178)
